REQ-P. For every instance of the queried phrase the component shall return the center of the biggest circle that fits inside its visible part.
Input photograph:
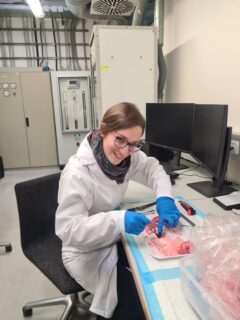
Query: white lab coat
(88, 225)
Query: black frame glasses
(121, 142)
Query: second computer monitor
(209, 135)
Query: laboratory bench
(159, 280)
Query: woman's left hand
(168, 212)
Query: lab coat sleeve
(73, 224)
(149, 172)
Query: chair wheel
(8, 248)
(27, 312)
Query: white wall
(202, 48)
(202, 51)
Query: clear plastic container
(207, 306)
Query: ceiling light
(36, 8)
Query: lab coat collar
(85, 153)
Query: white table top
(158, 281)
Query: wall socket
(235, 145)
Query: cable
(72, 41)
(66, 38)
(5, 25)
(31, 40)
(28, 35)
(28, 41)
(73, 25)
(7, 40)
(25, 40)
(10, 43)
(75, 46)
(11, 38)
(188, 160)
(191, 169)
(194, 174)
(45, 42)
(3, 49)
(84, 45)
(41, 41)
(59, 43)
(36, 40)
(68, 46)
(55, 45)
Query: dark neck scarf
(113, 172)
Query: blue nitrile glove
(135, 222)
(168, 212)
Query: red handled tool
(188, 208)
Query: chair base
(7, 246)
(70, 301)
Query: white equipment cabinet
(72, 109)
(124, 67)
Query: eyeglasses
(121, 142)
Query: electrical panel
(27, 132)
(75, 104)
(72, 109)
(124, 62)
(13, 135)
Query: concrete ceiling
(57, 8)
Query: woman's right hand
(135, 222)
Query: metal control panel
(72, 109)
(75, 104)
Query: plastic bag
(216, 256)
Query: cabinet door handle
(27, 122)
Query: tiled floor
(20, 281)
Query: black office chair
(6, 245)
(37, 204)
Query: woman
(92, 186)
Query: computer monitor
(169, 126)
(200, 130)
(211, 140)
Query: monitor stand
(217, 187)
(174, 164)
(209, 190)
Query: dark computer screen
(209, 135)
(170, 125)
(198, 129)
(211, 139)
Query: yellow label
(104, 67)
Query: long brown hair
(123, 115)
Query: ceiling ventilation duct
(111, 7)
(102, 9)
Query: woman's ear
(101, 129)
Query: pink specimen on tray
(170, 244)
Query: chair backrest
(37, 204)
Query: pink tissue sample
(225, 287)
(170, 244)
